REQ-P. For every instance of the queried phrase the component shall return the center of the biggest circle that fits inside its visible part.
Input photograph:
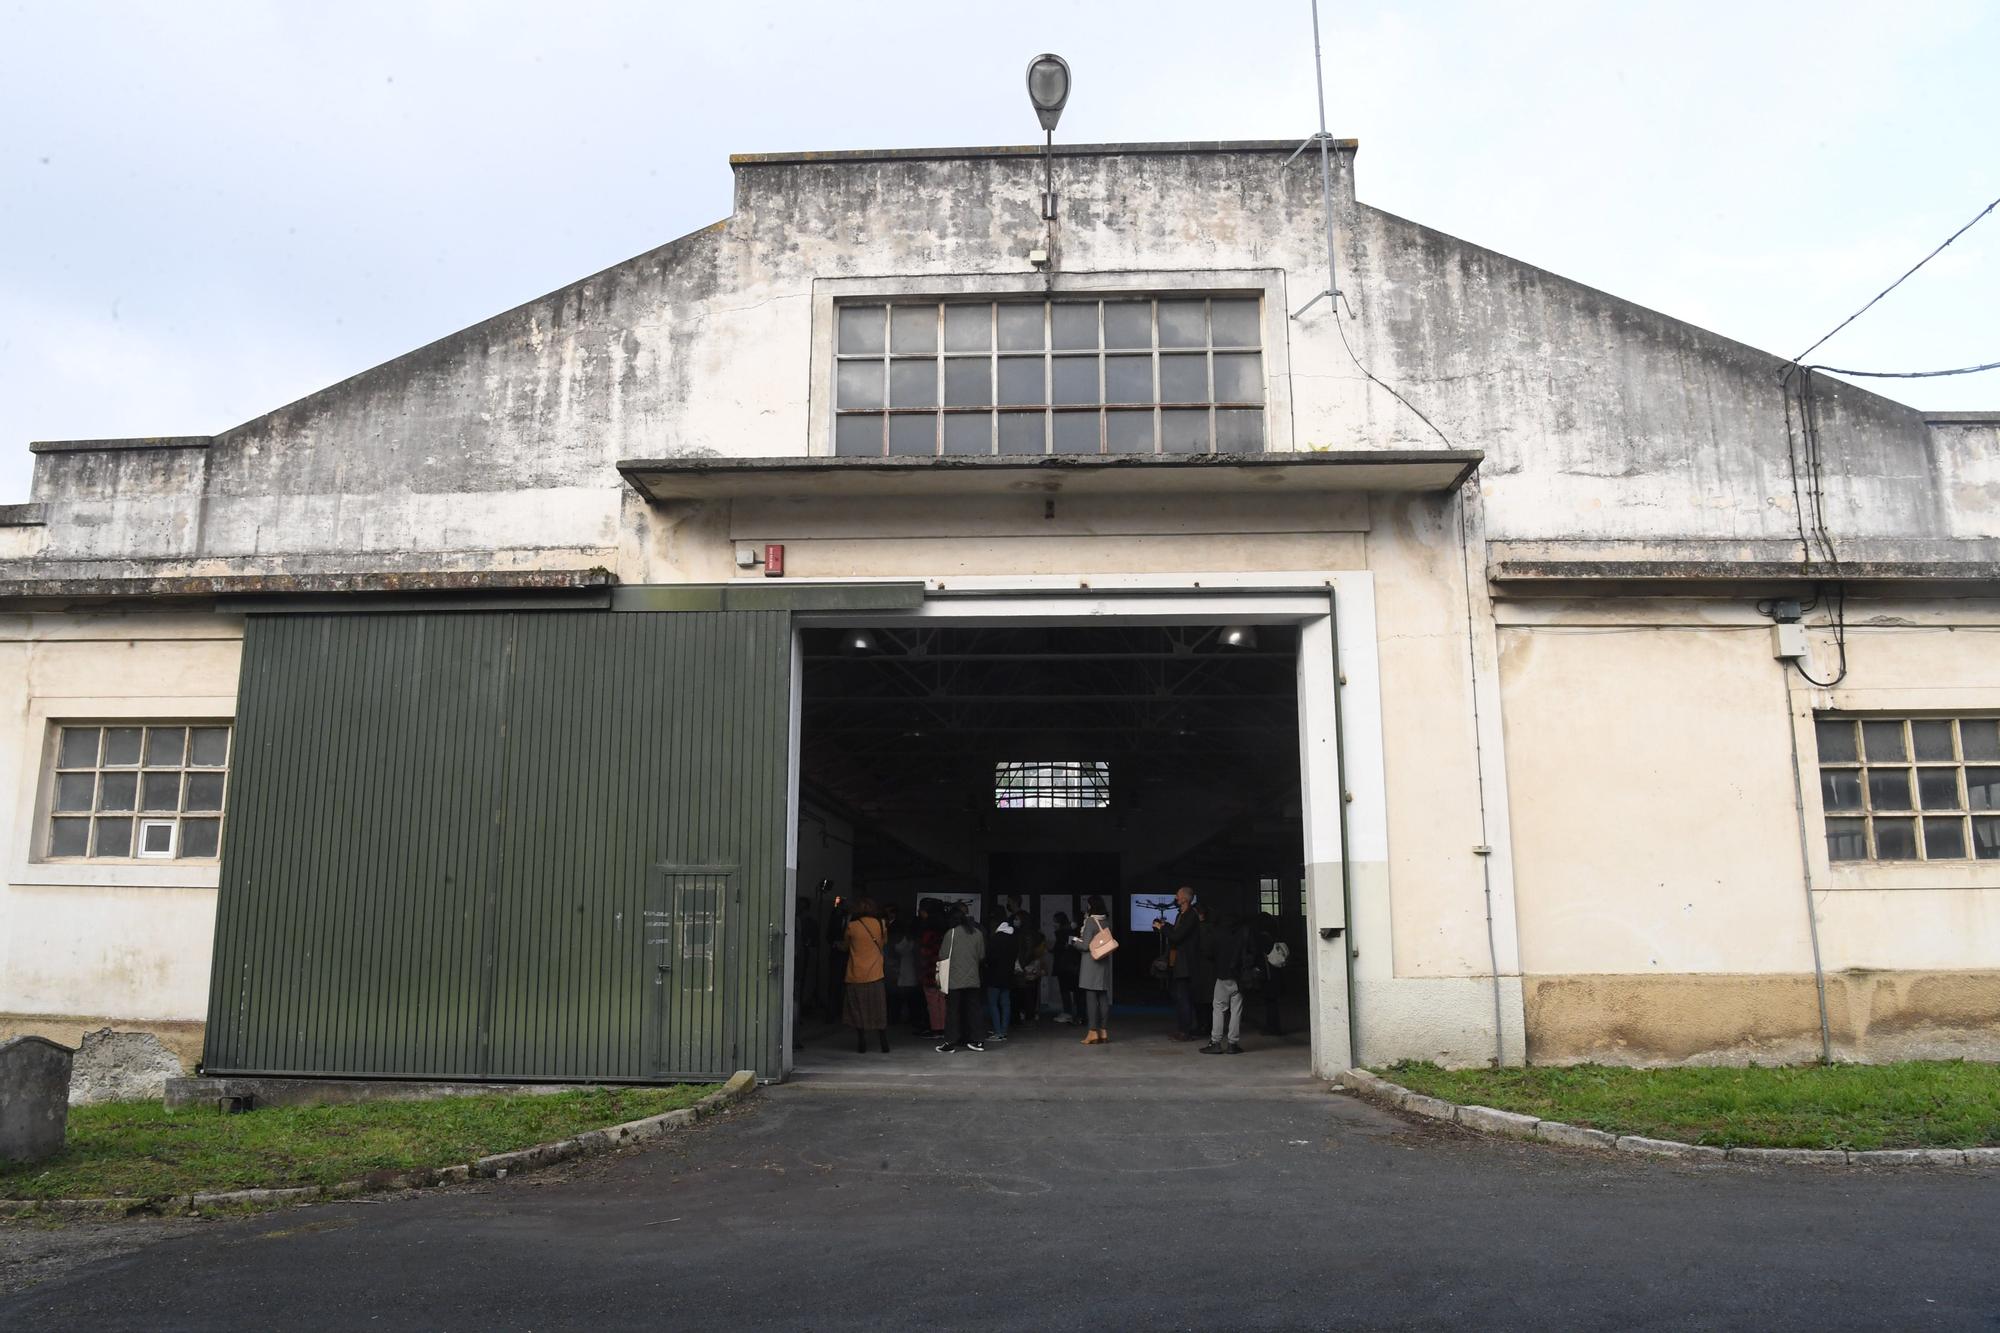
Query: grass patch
(138, 1149)
(1918, 1104)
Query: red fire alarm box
(774, 561)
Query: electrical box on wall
(1788, 642)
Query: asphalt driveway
(992, 1202)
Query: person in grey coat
(960, 954)
(1093, 975)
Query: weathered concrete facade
(1596, 785)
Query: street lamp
(1048, 89)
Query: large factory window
(1118, 375)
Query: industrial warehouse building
(489, 715)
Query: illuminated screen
(1148, 909)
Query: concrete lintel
(133, 442)
(23, 515)
(1180, 148)
(709, 478)
(286, 586)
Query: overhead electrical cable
(1800, 358)
(1905, 374)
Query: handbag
(944, 964)
(1102, 943)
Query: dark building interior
(1048, 763)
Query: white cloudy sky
(208, 209)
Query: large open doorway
(1019, 765)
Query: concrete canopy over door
(506, 845)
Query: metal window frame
(53, 769)
(996, 412)
(1057, 784)
(1866, 814)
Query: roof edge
(1991, 418)
(1177, 148)
(135, 442)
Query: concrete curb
(496, 1167)
(1512, 1124)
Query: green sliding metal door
(506, 845)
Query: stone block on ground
(114, 1066)
(1358, 1080)
(1574, 1136)
(1982, 1156)
(1908, 1157)
(1685, 1152)
(1434, 1108)
(1789, 1156)
(1490, 1120)
(34, 1098)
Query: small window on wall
(1910, 788)
(1052, 784)
(137, 791)
(1270, 897)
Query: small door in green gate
(687, 932)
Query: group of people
(1216, 958)
(958, 985)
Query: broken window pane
(1895, 839)
(1840, 788)
(1944, 839)
(1982, 788)
(1889, 789)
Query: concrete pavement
(989, 1201)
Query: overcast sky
(209, 209)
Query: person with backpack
(1093, 971)
(1227, 946)
(1276, 954)
(960, 954)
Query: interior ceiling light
(859, 643)
(1238, 636)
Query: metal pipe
(1805, 865)
(1485, 849)
(1325, 164)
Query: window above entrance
(1052, 784)
(1075, 375)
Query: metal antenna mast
(1325, 142)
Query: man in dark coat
(1184, 938)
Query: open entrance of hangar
(1008, 768)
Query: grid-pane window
(1910, 788)
(1052, 784)
(137, 791)
(1112, 375)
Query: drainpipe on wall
(1805, 867)
(1484, 851)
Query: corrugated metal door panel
(341, 945)
(660, 768)
(444, 830)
